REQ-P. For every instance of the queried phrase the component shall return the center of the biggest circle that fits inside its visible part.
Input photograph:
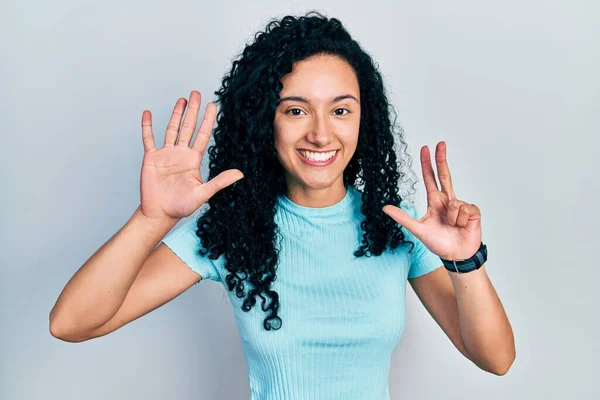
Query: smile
(318, 159)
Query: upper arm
(162, 277)
(436, 292)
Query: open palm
(171, 186)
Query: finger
(454, 207)
(463, 216)
(401, 217)
(173, 127)
(191, 116)
(219, 182)
(203, 136)
(147, 136)
(444, 176)
(427, 169)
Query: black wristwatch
(468, 265)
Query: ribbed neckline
(338, 209)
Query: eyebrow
(304, 100)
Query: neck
(317, 197)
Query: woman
(302, 167)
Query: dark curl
(240, 220)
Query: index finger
(443, 170)
(203, 136)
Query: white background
(513, 87)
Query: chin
(324, 183)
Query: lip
(317, 151)
(317, 163)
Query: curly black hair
(240, 219)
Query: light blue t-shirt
(342, 316)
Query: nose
(320, 132)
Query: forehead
(320, 77)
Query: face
(316, 126)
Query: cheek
(349, 136)
(286, 136)
(280, 144)
(278, 137)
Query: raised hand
(451, 228)
(171, 186)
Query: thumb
(219, 182)
(402, 217)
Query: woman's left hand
(450, 228)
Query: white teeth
(317, 156)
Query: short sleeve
(422, 260)
(185, 244)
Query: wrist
(470, 264)
(150, 224)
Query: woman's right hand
(171, 186)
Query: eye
(294, 109)
(341, 109)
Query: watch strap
(468, 265)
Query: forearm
(97, 290)
(485, 329)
